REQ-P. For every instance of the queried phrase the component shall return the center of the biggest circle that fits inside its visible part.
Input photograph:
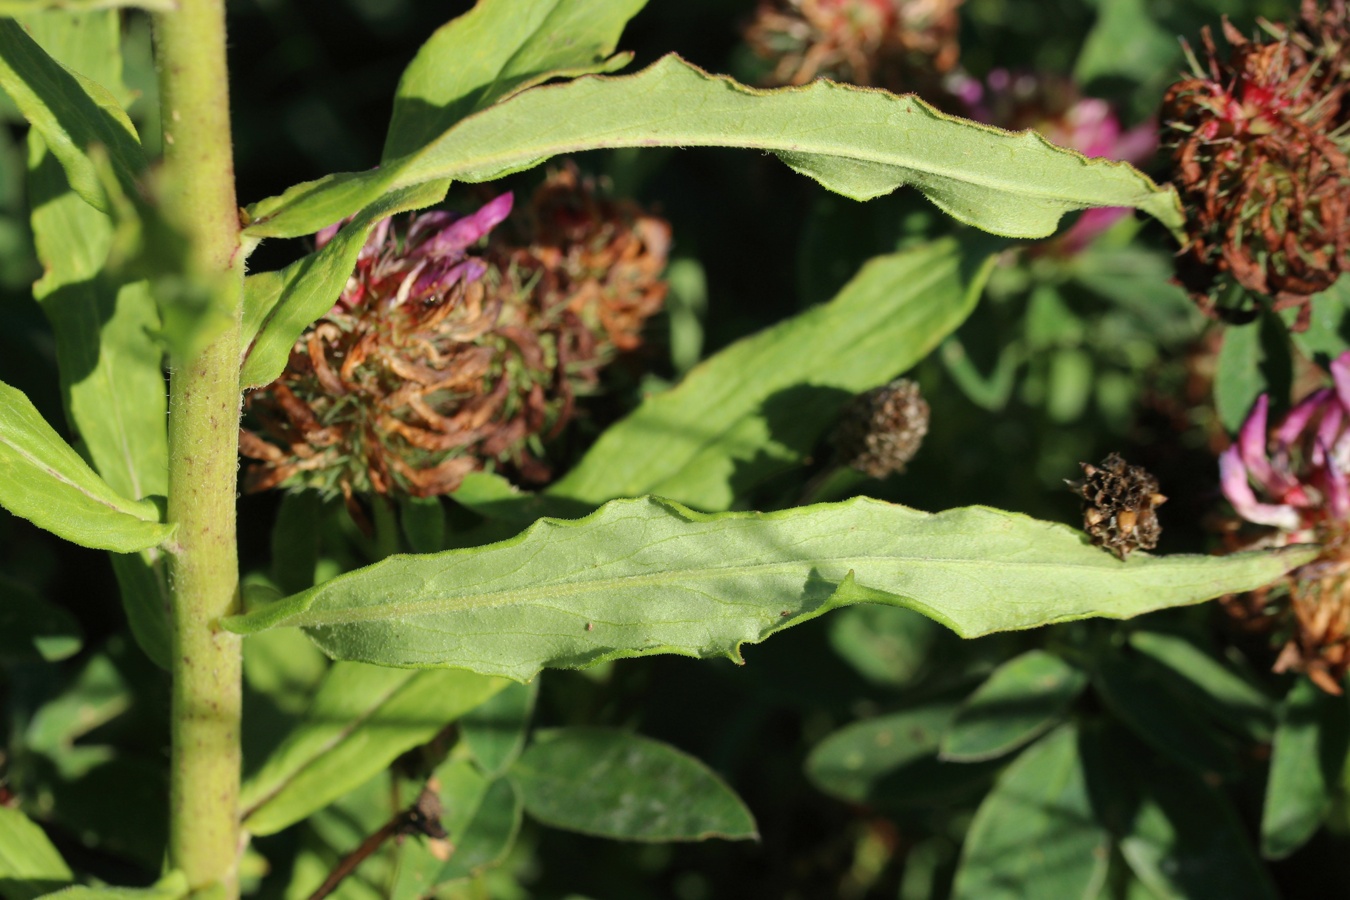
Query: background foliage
(868, 745)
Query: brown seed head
(1118, 505)
(881, 430)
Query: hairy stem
(204, 831)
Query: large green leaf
(1022, 699)
(619, 785)
(494, 733)
(1035, 834)
(279, 305)
(72, 113)
(30, 865)
(496, 49)
(361, 719)
(45, 481)
(646, 576)
(1306, 763)
(858, 142)
(760, 406)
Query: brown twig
(422, 817)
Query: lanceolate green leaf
(496, 49)
(858, 142)
(760, 406)
(646, 576)
(43, 480)
(71, 112)
(29, 864)
(360, 720)
(278, 306)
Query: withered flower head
(1295, 479)
(1119, 503)
(433, 363)
(896, 44)
(881, 430)
(1259, 149)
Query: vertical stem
(204, 833)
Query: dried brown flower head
(1118, 505)
(1259, 149)
(900, 45)
(881, 430)
(412, 380)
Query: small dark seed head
(1118, 505)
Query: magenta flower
(426, 263)
(1299, 480)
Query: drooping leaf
(280, 305)
(760, 406)
(858, 142)
(143, 582)
(360, 720)
(1143, 695)
(30, 865)
(97, 695)
(886, 644)
(1224, 695)
(46, 482)
(1024, 698)
(496, 49)
(482, 815)
(1177, 834)
(33, 629)
(72, 114)
(173, 886)
(1035, 834)
(295, 541)
(495, 731)
(423, 521)
(646, 576)
(618, 785)
(1306, 763)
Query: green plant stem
(198, 195)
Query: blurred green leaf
(496, 49)
(1126, 42)
(143, 582)
(1035, 835)
(1186, 841)
(1253, 360)
(284, 666)
(173, 886)
(24, 7)
(360, 720)
(72, 114)
(46, 482)
(30, 865)
(855, 762)
(760, 406)
(1306, 762)
(646, 576)
(423, 521)
(33, 629)
(619, 785)
(1328, 332)
(1144, 695)
(1021, 700)
(482, 815)
(280, 305)
(98, 695)
(295, 541)
(1225, 695)
(858, 142)
(886, 644)
(495, 731)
